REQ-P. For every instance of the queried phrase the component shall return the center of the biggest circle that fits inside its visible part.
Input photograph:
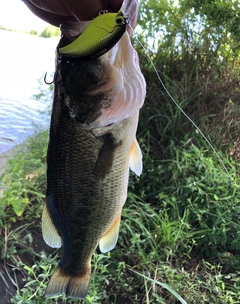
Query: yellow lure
(99, 36)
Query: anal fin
(109, 240)
(49, 231)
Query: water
(24, 59)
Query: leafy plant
(20, 180)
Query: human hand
(56, 12)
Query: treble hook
(101, 12)
(98, 13)
(45, 79)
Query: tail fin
(75, 286)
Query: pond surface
(24, 60)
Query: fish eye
(120, 20)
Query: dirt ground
(9, 277)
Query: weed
(24, 179)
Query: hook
(45, 79)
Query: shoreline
(8, 154)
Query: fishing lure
(99, 36)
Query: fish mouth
(87, 87)
(100, 92)
(103, 91)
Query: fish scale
(84, 192)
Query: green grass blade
(163, 285)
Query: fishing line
(194, 124)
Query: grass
(179, 237)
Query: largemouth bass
(92, 144)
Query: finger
(52, 6)
(90, 8)
(51, 18)
(86, 11)
(114, 5)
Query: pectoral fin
(135, 161)
(105, 158)
(109, 240)
(50, 234)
